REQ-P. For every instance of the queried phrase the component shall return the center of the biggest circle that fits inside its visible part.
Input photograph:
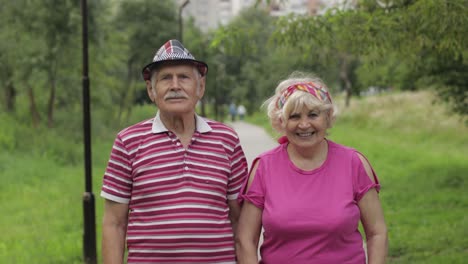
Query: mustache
(175, 95)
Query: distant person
(172, 181)
(233, 111)
(241, 111)
(309, 193)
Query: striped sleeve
(238, 171)
(117, 183)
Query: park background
(399, 72)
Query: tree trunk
(345, 78)
(36, 118)
(129, 100)
(10, 97)
(124, 92)
(203, 107)
(51, 103)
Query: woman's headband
(308, 87)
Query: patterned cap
(173, 50)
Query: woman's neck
(308, 158)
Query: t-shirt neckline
(307, 172)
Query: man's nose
(175, 84)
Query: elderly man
(171, 183)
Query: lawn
(419, 152)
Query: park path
(254, 139)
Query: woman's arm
(372, 218)
(374, 226)
(248, 234)
(248, 229)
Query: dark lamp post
(89, 211)
(181, 29)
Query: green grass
(41, 211)
(42, 208)
(418, 151)
(420, 154)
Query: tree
(6, 70)
(40, 36)
(144, 25)
(243, 44)
(429, 32)
(198, 44)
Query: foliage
(50, 25)
(405, 45)
(417, 41)
(144, 26)
(252, 61)
(43, 79)
(242, 45)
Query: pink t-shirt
(310, 216)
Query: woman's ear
(329, 118)
(282, 122)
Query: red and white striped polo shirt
(177, 197)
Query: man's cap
(173, 51)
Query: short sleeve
(117, 183)
(238, 172)
(256, 193)
(362, 182)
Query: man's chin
(177, 109)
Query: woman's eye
(314, 114)
(294, 116)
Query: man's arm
(114, 228)
(234, 212)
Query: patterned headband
(308, 87)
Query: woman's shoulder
(341, 152)
(271, 154)
(340, 148)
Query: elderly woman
(309, 193)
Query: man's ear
(151, 92)
(202, 87)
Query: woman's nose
(304, 123)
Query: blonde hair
(298, 100)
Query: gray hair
(297, 101)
